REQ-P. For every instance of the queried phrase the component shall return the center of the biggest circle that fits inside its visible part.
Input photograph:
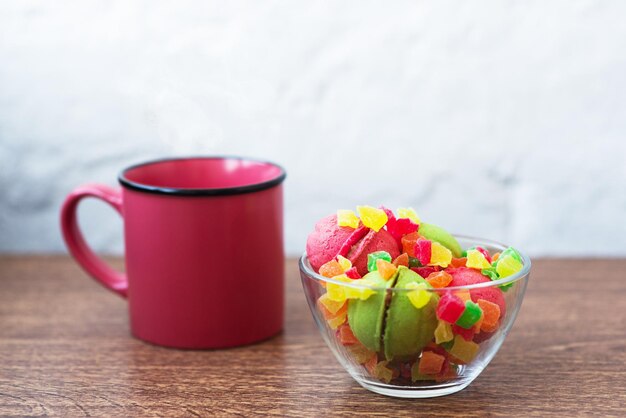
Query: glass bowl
(401, 376)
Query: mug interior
(202, 175)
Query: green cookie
(443, 237)
(408, 329)
(365, 317)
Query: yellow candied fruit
(443, 332)
(332, 305)
(335, 322)
(382, 372)
(346, 217)
(507, 266)
(419, 296)
(464, 350)
(337, 292)
(476, 260)
(372, 217)
(344, 263)
(360, 292)
(440, 255)
(409, 213)
(360, 353)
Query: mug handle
(90, 262)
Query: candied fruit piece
(408, 243)
(402, 260)
(479, 323)
(372, 257)
(332, 305)
(371, 217)
(346, 337)
(464, 350)
(490, 272)
(507, 266)
(470, 316)
(346, 217)
(353, 273)
(359, 292)
(491, 315)
(382, 372)
(371, 363)
(360, 353)
(400, 227)
(336, 291)
(476, 260)
(335, 322)
(385, 269)
(440, 255)
(344, 263)
(418, 295)
(423, 251)
(467, 334)
(331, 269)
(443, 332)
(328, 314)
(450, 308)
(463, 294)
(409, 213)
(430, 363)
(425, 271)
(458, 262)
(485, 253)
(439, 279)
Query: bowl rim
(526, 265)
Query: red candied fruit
(450, 308)
(423, 250)
(467, 334)
(425, 271)
(353, 273)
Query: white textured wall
(501, 119)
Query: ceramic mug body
(204, 250)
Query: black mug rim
(221, 191)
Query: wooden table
(65, 349)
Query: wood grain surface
(65, 349)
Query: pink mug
(204, 249)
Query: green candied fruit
(378, 255)
(491, 273)
(470, 316)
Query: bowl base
(416, 392)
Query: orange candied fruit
(431, 363)
(328, 315)
(331, 269)
(495, 257)
(439, 279)
(370, 364)
(346, 337)
(408, 243)
(385, 268)
(491, 315)
(401, 260)
(458, 262)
